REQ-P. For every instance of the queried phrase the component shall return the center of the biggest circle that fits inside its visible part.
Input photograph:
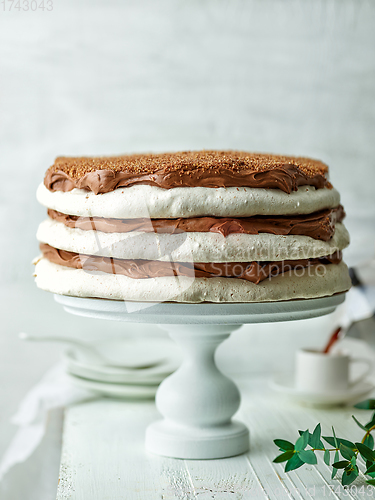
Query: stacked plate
(130, 368)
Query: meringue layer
(77, 282)
(190, 247)
(153, 202)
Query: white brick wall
(108, 77)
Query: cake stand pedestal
(198, 401)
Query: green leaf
(341, 464)
(370, 424)
(368, 465)
(335, 438)
(284, 456)
(359, 423)
(371, 469)
(315, 441)
(336, 459)
(308, 456)
(331, 440)
(365, 451)
(294, 463)
(326, 457)
(283, 445)
(349, 476)
(369, 441)
(368, 404)
(318, 445)
(346, 452)
(302, 441)
(347, 443)
(371, 481)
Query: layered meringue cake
(194, 226)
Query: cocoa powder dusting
(186, 162)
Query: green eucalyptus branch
(303, 451)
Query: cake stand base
(198, 401)
(164, 438)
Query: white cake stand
(198, 401)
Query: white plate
(129, 351)
(284, 383)
(115, 390)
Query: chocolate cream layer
(319, 225)
(143, 269)
(288, 179)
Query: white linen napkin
(359, 304)
(53, 391)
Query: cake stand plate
(198, 401)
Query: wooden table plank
(104, 456)
(224, 479)
(270, 416)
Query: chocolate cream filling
(287, 178)
(143, 269)
(318, 225)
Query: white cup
(317, 372)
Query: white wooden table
(104, 458)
